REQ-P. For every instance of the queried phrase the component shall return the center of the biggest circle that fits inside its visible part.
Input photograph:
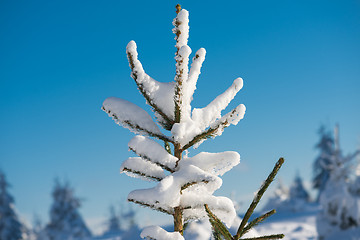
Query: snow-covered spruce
(11, 228)
(321, 163)
(295, 199)
(66, 222)
(184, 184)
(340, 204)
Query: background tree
(320, 167)
(339, 205)
(293, 199)
(11, 227)
(66, 222)
(298, 191)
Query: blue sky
(300, 61)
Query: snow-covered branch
(157, 94)
(193, 204)
(218, 127)
(214, 163)
(138, 167)
(190, 86)
(152, 151)
(152, 206)
(181, 30)
(155, 232)
(132, 117)
(177, 189)
(208, 115)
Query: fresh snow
(153, 151)
(135, 166)
(214, 163)
(167, 194)
(295, 226)
(181, 23)
(222, 207)
(130, 116)
(162, 94)
(190, 86)
(155, 232)
(209, 114)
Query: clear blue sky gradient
(300, 61)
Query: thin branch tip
(178, 8)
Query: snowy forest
(177, 175)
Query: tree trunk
(178, 211)
(178, 221)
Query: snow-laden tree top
(185, 184)
(171, 101)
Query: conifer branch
(140, 129)
(167, 147)
(213, 131)
(191, 184)
(257, 197)
(256, 221)
(150, 238)
(141, 174)
(178, 8)
(182, 59)
(151, 206)
(204, 135)
(149, 159)
(268, 237)
(217, 225)
(186, 224)
(168, 122)
(135, 127)
(217, 235)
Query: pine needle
(269, 237)
(256, 221)
(217, 225)
(257, 197)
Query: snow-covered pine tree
(320, 167)
(185, 184)
(298, 195)
(66, 222)
(10, 226)
(293, 199)
(298, 191)
(340, 208)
